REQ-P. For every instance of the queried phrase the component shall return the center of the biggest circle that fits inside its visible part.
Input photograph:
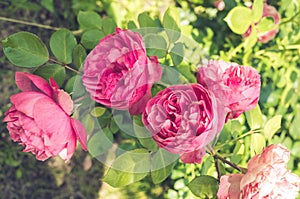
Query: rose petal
(80, 133)
(53, 121)
(25, 101)
(29, 82)
(230, 186)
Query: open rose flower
(265, 36)
(238, 87)
(184, 119)
(267, 177)
(39, 119)
(118, 73)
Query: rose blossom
(39, 119)
(267, 177)
(118, 73)
(183, 119)
(266, 36)
(238, 87)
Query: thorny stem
(66, 66)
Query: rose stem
(75, 32)
(243, 170)
(28, 23)
(66, 66)
(217, 167)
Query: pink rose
(39, 119)
(118, 73)
(238, 87)
(266, 36)
(220, 5)
(267, 177)
(183, 119)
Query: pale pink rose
(230, 186)
(184, 119)
(264, 37)
(220, 5)
(118, 73)
(267, 177)
(238, 87)
(39, 119)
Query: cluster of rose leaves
(183, 119)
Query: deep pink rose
(118, 73)
(267, 177)
(238, 87)
(266, 36)
(39, 119)
(184, 119)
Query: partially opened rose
(118, 73)
(265, 35)
(238, 87)
(267, 177)
(184, 119)
(39, 119)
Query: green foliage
(62, 43)
(129, 167)
(25, 49)
(89, 20)
(52, 70)
(204, 186)
(239, 19)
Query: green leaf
(254, 118)
(295, 127)
(143, 135)
(156, 45)
(257, 10)
(52, 70)
(266, 24)
(172, 28)
(98, 111)
(109, 26)
(48, 4)
(204, 186)
(79, 55)
(100, 142)
(177, 53)
(171, 76)
(62, 43)
(89, 122)
(145, 20)
(251, 40)
(258, 142)
(91, 38)
(89, 20)
(131, 25)
(25, 49)
(162, 164)
(130, 167)
(239, 19)
(272, 126)
(295, 151)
